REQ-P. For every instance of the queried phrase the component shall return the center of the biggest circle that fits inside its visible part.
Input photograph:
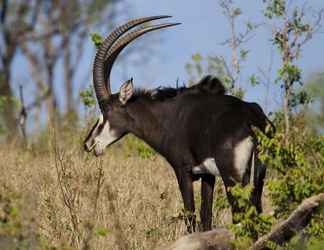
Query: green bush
(252, 224)
(135, 145)
(295, 172)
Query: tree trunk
(8, 104)
(50, 58)
(6, 95)
(286, 110)
(68, 75)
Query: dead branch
(94, 216)
(281, 233)
(297, 221)
(22, 114)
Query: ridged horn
(102, 92)
(124, 41)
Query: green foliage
(251, 224)
(197, 58)
(296, 170)
(290, 73)
(292, 29)
(237, 12)
(101, 231)
(300, 98)
(244, 54)
(17, 231)
(133, 144)
(254, 80)
(152, 232)
(298, 243)
(220, 201)
(13, 101)
(275, 8)
(87, 97)
(295, 166)
(96, 39)
(9, 220)
(195, 68)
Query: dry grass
(66, 198)
(119, 201)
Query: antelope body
(195, 129)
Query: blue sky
(203, 29)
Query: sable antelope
(187, 126)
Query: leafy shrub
(296, 171)
(251, 223)
(133, 144)
(87, 97)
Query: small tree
(228, 72)
(291, 31)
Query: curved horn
(102, 92)
(124, 41)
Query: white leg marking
(207, 167)
(242, 154)
(199, 170)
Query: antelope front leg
(186, 187)
(206, 210)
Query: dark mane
(160, 93)
(210, 84)
(207, 85)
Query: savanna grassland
(53, 195)
(56, 196)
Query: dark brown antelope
(200, 131)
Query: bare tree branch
(297, 221)
(4, 11)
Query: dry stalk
(90, 225)
(121, 239)
(69, 197)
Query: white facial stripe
(90, 144)
(106, 135)
(100, 119)
(242, 154)
(101, 136)
(207, 167)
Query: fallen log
(297, 221)
(217, 239)
(222, 239)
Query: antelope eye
(100, 127)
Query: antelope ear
(126, 91)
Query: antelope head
(114, 121)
